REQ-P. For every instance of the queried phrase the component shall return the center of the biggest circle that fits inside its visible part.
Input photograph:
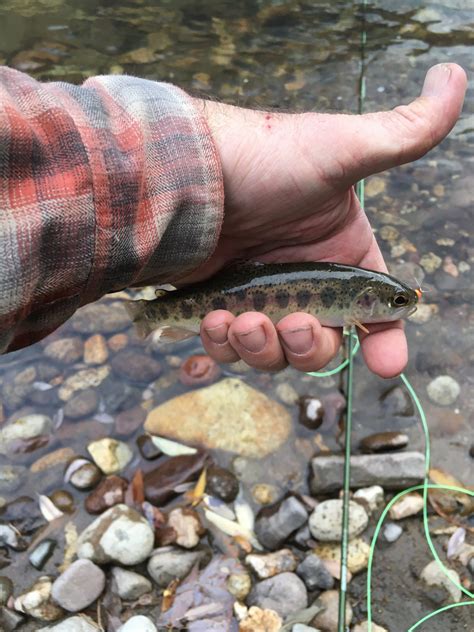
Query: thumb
(378, 141)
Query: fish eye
(400, 300)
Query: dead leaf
(196, 495)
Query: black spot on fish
(302, 298)
(282, 299)
(328, 296)
(259, 301)
(240, 295)
(186, 310)
(163, 311)
(219, 303)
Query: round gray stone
(79, 586)
(284, 593)
(325, 523)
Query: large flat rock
(229, 415)
(390, 470)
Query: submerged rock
(109, 492)
(275, 524)
(443, 390)
(79, 586)
(26, 428)
(271, 564)
(285, 594)
(120, 535)
(391, 471)
(222, 483)
(11, 477)
(325, 521)
(65, 350)
(160, 482)
(110, 455)
(254, 424)
(314, 573)
(384, 442)
(168, 563)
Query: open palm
(289, 196)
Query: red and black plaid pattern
(102, 186)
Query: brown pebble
(128, 421)
(117, 342)
(63, 500)
(62, 455)
(311, 412)
(109, 492)
(95, 350)
(148, 449)
(384, 442)
(86, 476)
(161, 481)
(199, 370)
(135, 365)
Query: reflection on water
(289, 55)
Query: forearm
(103, 186)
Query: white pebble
(138, 624)
(392, 531)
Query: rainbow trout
(335, 294)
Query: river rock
(95, 350)
(261, 620)
(314, 573)
(186, 524)
(265, 494)
(326, 619)
(110, 455)
(384, 442)
(371, 498)
(109, 492)
(254, 424)
(106, 318)
(391, 532)
(42, 553)
(397, 402)
(37, 602)
(81, 623)
(325, 521)
(433, 575)
(239, 585)
(120, 535)
(199, 370)
(78, 586)
(82, 474)
(138, 623)
(396, 470)
(24, 429)
(129, 421)
(311, 412)
(85, 378)
(222, 483)
(285, 594)
(82, 404)
(11, 477)
(52, 459)
(130, 585)
(271, 564)
(10, 620)
(136, 366)
(407, 505)
(357, 554)
(148, 448)
(276, 523)
(169, 563)
(65, 350)
(443, 390)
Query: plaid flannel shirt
(102, 186)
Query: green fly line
(348, 363)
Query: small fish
(337, 295)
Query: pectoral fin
(356, 323)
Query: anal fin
(170, 333)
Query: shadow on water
(293, 56)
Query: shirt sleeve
(103, 186)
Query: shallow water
(292, 56)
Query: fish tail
(137, 312)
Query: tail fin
(137, 312)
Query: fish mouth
(412, 310)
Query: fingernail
(218, 334)
(299, 340)
(436, 80)
(253, 340)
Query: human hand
(289, 196)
